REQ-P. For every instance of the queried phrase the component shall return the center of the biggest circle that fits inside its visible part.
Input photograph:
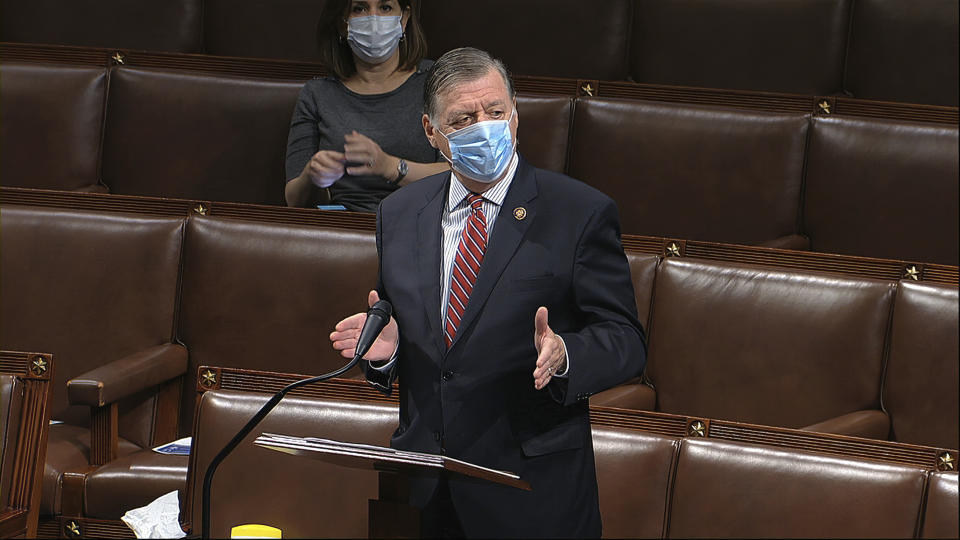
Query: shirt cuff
(566, 369)
(383, 368)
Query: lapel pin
(520, 213)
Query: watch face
(402, 167)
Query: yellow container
(254, 530)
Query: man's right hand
(344, 337)
(325, 168)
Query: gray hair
(459, 66)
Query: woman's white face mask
(374, 38)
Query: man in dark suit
(512, 304)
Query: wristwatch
(402, 170)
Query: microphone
(378, 317)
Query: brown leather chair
(52, 121)
(941, 509)
(536, 37)
(920, 383)
(794, 46)
(285, 29)
(24, 425)
(99, 292)
(739, 490)
(320, 500)
(187, 135)
(903, 51)
(693, 172)
(883, 188)
(156, 25)
(772, 347)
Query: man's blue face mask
(482, 151)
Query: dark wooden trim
(104, 434)
(35, 370)
(166, 411)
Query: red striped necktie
(466, 266)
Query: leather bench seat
(883, 188)
(133, 481)
(772, 347)
(738, 490)
(52, 122)
(693, 172)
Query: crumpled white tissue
(159, 519)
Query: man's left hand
(551, 356)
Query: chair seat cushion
(68, 449)
(133, 481)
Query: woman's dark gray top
(327, 110)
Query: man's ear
(430, 131)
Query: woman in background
(358, 132)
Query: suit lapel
(429, 234)
(508, 231)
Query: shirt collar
(495, 195)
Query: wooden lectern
(390, 515)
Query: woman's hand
(325, 168)
(370, 157)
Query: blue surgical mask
(482, 151)
(374, 38)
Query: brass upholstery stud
(117, 57)
(200, 209)
(824, 106)
(208, 378)
(697, 429)
(587, 89)
(673, 250)
(72, 529)
(946, 462)
(912, 273)
(38, 366)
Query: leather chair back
(903, 51)
(89, 288)
(266, 296)
(737, 490)
(153, 25)
(792, 46)
(692, 172)
(634, 476)
(52, 121)
(536, 37)
(920, 384)
(882, 188)
(195, 136)
(643, 271)
(319, 499)
(765, 346)
(544, 130)
(940, 511)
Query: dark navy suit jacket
(476, 401)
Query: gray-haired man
(512, 305)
